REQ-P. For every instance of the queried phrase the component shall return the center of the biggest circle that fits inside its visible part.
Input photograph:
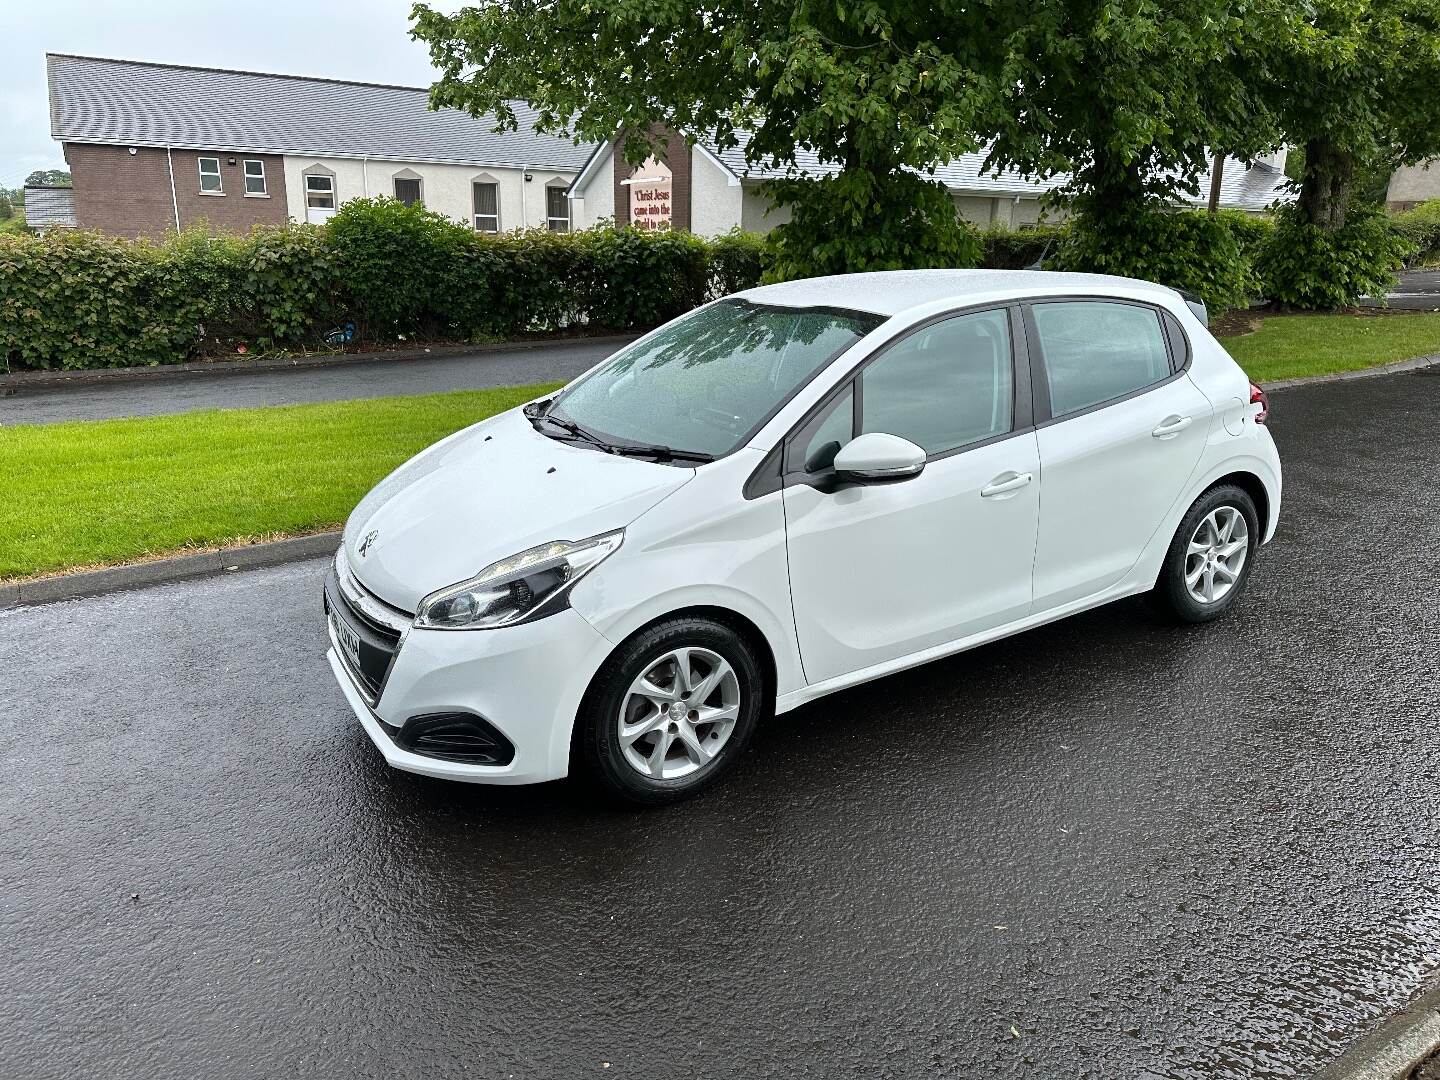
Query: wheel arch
(741, 624)
(1252, 485)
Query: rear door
(882, 571)
(1120, 429)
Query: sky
(366, 40)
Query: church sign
(650, 195)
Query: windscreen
(704, 382)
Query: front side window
(254, 177)
(210, 175)
(487, 206)
(1097, 350)
(704, 382)
(943, 387)
(557, 210)
(320, 191)
(407, 191)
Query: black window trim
(1179, 362)
(772, 474)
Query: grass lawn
(1292, 346)
(109, 491)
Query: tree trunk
(1326, 185)
(1217, 175)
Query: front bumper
(526, 681)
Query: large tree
(883, 92)
(1132, 97)
(1357, 87)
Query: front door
(880, 572)
(1126, 435)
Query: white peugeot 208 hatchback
(784, 493)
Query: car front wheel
(670, 711)
(1211, 556)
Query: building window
(487, 206)
(254, 177)
(557, 210)
(407, 190)
(320, 191)
(210, 175)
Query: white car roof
(891, 292)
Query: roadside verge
(138, 575)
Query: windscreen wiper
(660, 453)
(572, 429)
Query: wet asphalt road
(1150, 852)
(1417, 290)
(154, 395)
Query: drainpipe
(365, 175)
(174, 200)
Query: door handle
(1005, 484)
(1172, 425)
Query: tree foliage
(1132, 96)
(876, 89)
(1354, 86)
(1127, 95)
(49, 178)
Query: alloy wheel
(679, 713)
(1216, 554)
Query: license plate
(349, 641)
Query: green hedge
(1185, 249)
(398, 273)
(1303, 266)
(1018, 249)
(1420, 228)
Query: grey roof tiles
(132, 103)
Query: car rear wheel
(670, 711)
(1210, 558)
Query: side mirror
(879, 458)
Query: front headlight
(516, 588)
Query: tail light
(1259, 397)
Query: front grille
(377, 628)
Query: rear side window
(1096, 351)
(943, 387)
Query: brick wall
(129, 194)
(676, 154)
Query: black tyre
(1210, 557)
(670, 711)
